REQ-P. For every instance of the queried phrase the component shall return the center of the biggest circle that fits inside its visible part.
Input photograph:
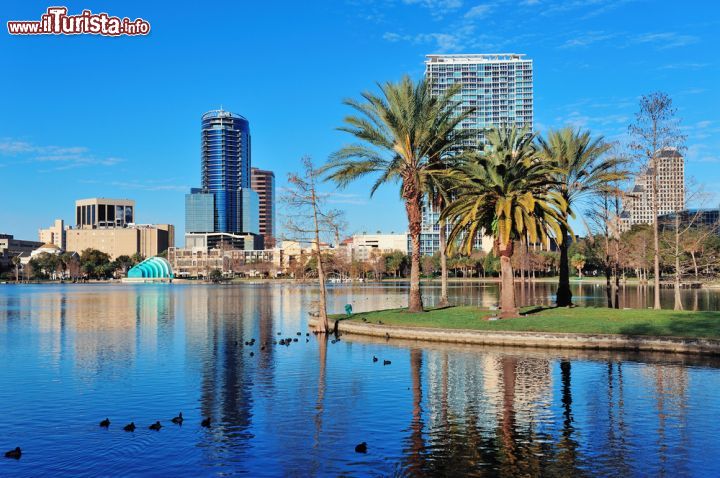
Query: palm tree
(507, 191)
(580, 171)
(404, 132)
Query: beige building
(199, 262)
(147, 240)
(362, 246)
(54, 234)
(671, 190)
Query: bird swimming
(105, 423)
(16, 453)
(130, 427)
(375, 359)
(155, 426)
(386, 362)
(361, 448)
(206, 422)
(178, 419)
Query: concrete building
(499, 86)
(11, 247)
(263, 183)
(361, 247)
(54, 234)
(145, 239)
(104, 213)
(637, 207)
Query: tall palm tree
(507, 191)
(580, 171)
(403, 132)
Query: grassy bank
(583, 320)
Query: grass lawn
(584, 320)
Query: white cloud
(665, 40)
(61, 157)
(684, 66)
(479, 11)
(588, 38)
(436, 4)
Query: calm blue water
(72, 355)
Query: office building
(225, 203)
(54, 234)
(104, 213)
(638, 202)
(499, 87)
(263, 183)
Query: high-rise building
(500, 89)
(638, 203)
(225, 199)
(499, 86)
(263, 183)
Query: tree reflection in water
(463, 443)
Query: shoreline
(474, 280)
(533, 340)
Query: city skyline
(140, 139)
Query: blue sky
(84, 116)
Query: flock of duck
(16, 453)
(178, 420)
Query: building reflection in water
(438, 410)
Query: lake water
(71, 355)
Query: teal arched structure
(152, 268)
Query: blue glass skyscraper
(225, 175)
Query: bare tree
(307, 222)
(16, 262)
(687, 234)
(655, 129)
(605, 221)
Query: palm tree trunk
(414, 215)
(564, 295)
(507, 281)
(444, 302)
